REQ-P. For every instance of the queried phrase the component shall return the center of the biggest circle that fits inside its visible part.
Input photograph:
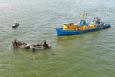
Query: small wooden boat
(15, 25)
(22, 45)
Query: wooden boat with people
(23, 45)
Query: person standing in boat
(15, 44)
(97, 20)
(45, 45)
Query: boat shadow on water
(29, 50)
(70, 37)
(28, 54)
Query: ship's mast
(83, 15)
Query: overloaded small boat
(23, 45)
(83, 27)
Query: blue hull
(61, 32)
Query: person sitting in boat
(97, 22)
(27, 46)
(45, 45)
(71, 26)
(15, 44)
(38, 44)
(91, 25)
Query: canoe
(61, 32)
